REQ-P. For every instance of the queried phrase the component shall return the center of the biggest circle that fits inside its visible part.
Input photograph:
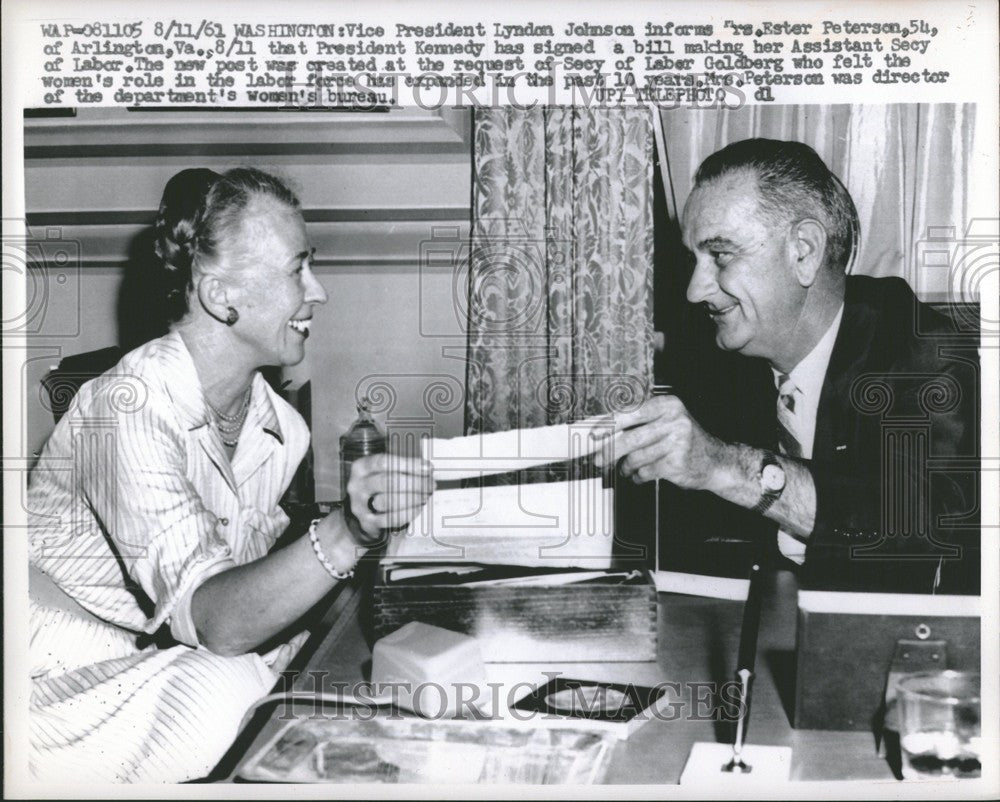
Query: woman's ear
(213, 297)
(808, 249)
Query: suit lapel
(211, 444)
(184, 387)
(850, 353)
(262, 433)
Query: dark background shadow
(731, 396)
(142, 309)
(781, 664)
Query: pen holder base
(706, 765)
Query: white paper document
(517, 449)
(557, 524)
(712, 587)
(552, 580)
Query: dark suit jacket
(895, 456)
(896, 452)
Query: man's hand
(386, 491)
(663, 441)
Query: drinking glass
(939, 725)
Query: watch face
(772, 478)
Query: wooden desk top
(698, 641)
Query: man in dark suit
(873, 481)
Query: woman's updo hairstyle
(198, 209)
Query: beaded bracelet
(321, 556)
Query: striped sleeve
(135, 481)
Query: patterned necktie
(787, 422)
(788, 425)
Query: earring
(232, 317)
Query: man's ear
(213, 296)
(808, 248)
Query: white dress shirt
(808, 377)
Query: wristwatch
(772, 482)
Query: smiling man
(866, 398)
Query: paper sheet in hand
(500, 452)
(555, 524)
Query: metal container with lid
(363, 438)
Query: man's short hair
(793, 183)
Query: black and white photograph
(488, 446)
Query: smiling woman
(155, 504)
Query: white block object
(770, 764)
(434, 672)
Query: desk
(698, 640)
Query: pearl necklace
(230, 426)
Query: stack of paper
(555, 524)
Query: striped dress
(134, 503)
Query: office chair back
(63, 383)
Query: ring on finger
(371, 504)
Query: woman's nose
(315, 294)
(702, 285)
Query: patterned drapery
(560, 302)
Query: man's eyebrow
(302, 255)
(716, 243)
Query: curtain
(905, 165)
(560, 294)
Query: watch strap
(767, 497)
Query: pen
(745, 668)
(658, 389)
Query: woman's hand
(384, 492)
